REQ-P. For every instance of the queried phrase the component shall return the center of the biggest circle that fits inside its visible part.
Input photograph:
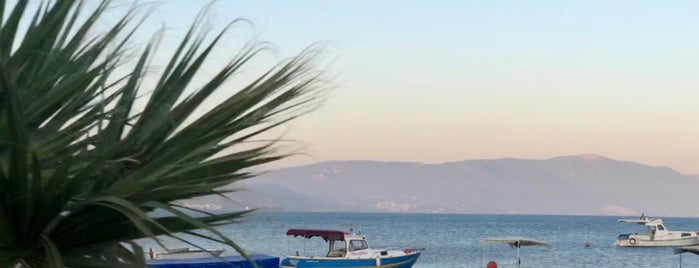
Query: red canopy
(325, 234)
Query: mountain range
(568, 185)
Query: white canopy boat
(656, 236)
(516, 243)
(690, 249)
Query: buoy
(492, 264)
(587, 244)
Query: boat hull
(194, 254)
(405, 261)
(262, 261)
(645, 241)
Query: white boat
(230, 261)
(184, 253)
(656, 235)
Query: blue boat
(262, 260)
(349, 250)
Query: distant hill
(583, 184)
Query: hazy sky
(439, 81)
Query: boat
(262, 261)
(348, 249)
(656, 236)
(184, 253)
(515, 242)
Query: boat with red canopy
(347, 249)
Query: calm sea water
(454, 240)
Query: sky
(442, 81)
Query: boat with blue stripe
(347, 249)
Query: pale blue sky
(438, 81)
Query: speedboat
(262, 261)
(347, 249)
(210, 258)
(656, 236)
(184, 253)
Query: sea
(454, 240)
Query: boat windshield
(337, 248)
(357, 245)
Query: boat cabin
(654, 226)
(340, 244)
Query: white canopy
(640, 221)
(515, 242)
(691, 249)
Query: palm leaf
(78, 155)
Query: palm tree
(83, 165)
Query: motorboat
(348, 249)
(656, 236)
(210, 258)
(261, 260)
(515, 242)
(184, 253)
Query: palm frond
(79, 155)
